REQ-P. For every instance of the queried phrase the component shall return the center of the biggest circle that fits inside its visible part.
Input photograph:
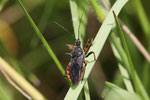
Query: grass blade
(138, 87)
(99, 12)
(99, 41)
(86, 91)
(25, 85)
(38, 33)
(116, 46)
(113, 92)
(47, 12)
(75, 18)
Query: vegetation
(33, 35)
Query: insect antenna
(68, 32)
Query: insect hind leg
(89, 42)
(90, 54)
(84, 70)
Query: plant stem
(25, 85)
(131, 67)
(38, 33)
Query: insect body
(75, 69)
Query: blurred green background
(37, 65)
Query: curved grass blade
(117, 49)
(113, 92)
(38, 33)
(25, 85)
(99, 41)
(145, 25)
(138, 87)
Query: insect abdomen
(75, 73)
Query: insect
(76, 67)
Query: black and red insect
(76, 67)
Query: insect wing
(75, 73)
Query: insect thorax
(77, 52)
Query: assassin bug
(76, 67)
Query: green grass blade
(25, 85)
(86, 91)
(83, 6)
(101, 14)
(142, 18)
(99, 41)
(116, 46)
(47, 12)
(75, 18)
(145, 24)
(97, 10)
(113, 92)
(136, 81)
(38, 33)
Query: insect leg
(70, 47)
(89, 42)
(81, 70)
(90, 54)
(68, 54)
(84, 70)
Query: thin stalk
(16, 64)
(131, 67)
(39, 34)
(97, 10)
(47, 12)
(145, 24)
(142, 18)
(14, 85)
(24, 84)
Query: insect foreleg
(70, 47)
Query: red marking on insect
(85, 49)
(68, 76)
(77, 63)
(70, 80)
(68, 67)
(88, 44)
(67, 72)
